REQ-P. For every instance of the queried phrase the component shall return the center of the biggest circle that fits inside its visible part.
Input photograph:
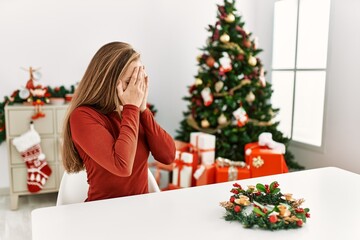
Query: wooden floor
(16, 225)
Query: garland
(266, 207)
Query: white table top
(332, 194)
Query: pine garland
(266, 207)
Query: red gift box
(264, 161)
(227, 170)
(205, 175)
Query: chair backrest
(74, 187)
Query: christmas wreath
(266, 207)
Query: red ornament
(232, 199)
(299, 222)
(237, 208)
(247, 43)
(240, 57)
(210, 61)
(273, 218)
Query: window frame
(295, 143)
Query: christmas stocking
(38, 171)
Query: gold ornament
(243, 200)
(198, 81)
(250, 97)
(225, 38)
(205, 123)
(218, 86)
(230, 18)
(252, 61)
(222, 119)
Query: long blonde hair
(97, 89)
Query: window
(299, 67)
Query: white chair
(74, 187)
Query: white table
(332, 194)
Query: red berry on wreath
(237, 185)
(299, 222)
(232, 199)
(237, 208)
(307, 215)
(273, 218)
(299, 210)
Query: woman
(108, 129)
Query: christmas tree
(230, 97)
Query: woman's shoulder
(86, 112)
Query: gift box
(181, 147)
(227, 170)
(205, 145)
(183, 169)
(264, 161)
(205, 174)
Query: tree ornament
(198, 81)
(198, 58)
(225, 63)
(230, 18)
(205, 123)
(222, 119)
(240, 57)
(225, 38)
(210, 61)
(252, 61)
(207, 96)
(218, 86)
(250, 97)
(241, 116)
(247, 43)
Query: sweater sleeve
(114, 154)
(161, 144)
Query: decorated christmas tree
(230, 97)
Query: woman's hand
(135, 91)
(144, 102)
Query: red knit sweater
(115, 151)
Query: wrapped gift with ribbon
(183, 169)
(265, 157)
(205, 174)
(205, 146)
(227, 170)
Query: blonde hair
(97, 89)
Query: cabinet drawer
(20, 121)
(19, 179)
(60, 117)
(47, 146)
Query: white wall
(342, 127)
(62, 36)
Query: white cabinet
(18, 119)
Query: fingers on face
(134, 76)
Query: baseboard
(4, 191)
